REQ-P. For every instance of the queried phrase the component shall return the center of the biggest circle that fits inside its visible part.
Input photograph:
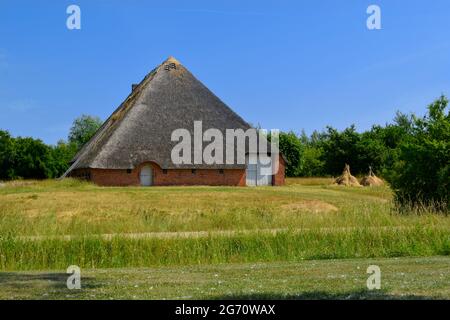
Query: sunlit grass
(313, 220)
(402, 278)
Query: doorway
(146, 176)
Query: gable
(168, 98)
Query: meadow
(402, 278)
(49, 225)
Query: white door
(251, 174)
(255, 173)
(263, 179)
(146, 176)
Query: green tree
(422, 173)
(83, 128)
(61, 155)
(30, 159)
(6, 148)
(311, 163)
(389, 139)
(340, 148)
(292, 149)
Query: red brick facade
(210, 177)
(279, 178)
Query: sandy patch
(19, 183)
(315, 206)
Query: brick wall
(211, 177)
(279, 178)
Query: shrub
(422, 174)
(6, 146)
(291, 147)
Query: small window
(169, 66)
(128, 171)
(221, 171)
(194, 171)
(164, 171)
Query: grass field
(49, 225)
(401, 278)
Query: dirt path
(206, 234)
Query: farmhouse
(135, 145)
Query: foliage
(422, 174)
(83, 128)
(62, 154)
(340, 148)
(292, 149)
(312, 164)
(6, 147)
(28, 158)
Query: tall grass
(96, 252)
(324, 222)
(76, 208)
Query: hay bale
(346, 179)
(371, 180)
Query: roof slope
(140, 129)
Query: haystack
(346, 179)
(371, 180)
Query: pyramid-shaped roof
(140, 129)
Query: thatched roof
(140, 129)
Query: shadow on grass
(51, 280)
(323, 295)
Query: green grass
(401, 278)
(95, 252)
(317, 221)
(74, 208)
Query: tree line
(28, 158)
(412, 153)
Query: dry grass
(184, 232)
(309, 206)
(312, 181)
(316, 220)
(71, 207)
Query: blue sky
(289, 65)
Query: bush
(422, 173)
(292, 149)
(29, 159)
(311, 163)
(340, 148)
(6, 147)
(62, 154)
